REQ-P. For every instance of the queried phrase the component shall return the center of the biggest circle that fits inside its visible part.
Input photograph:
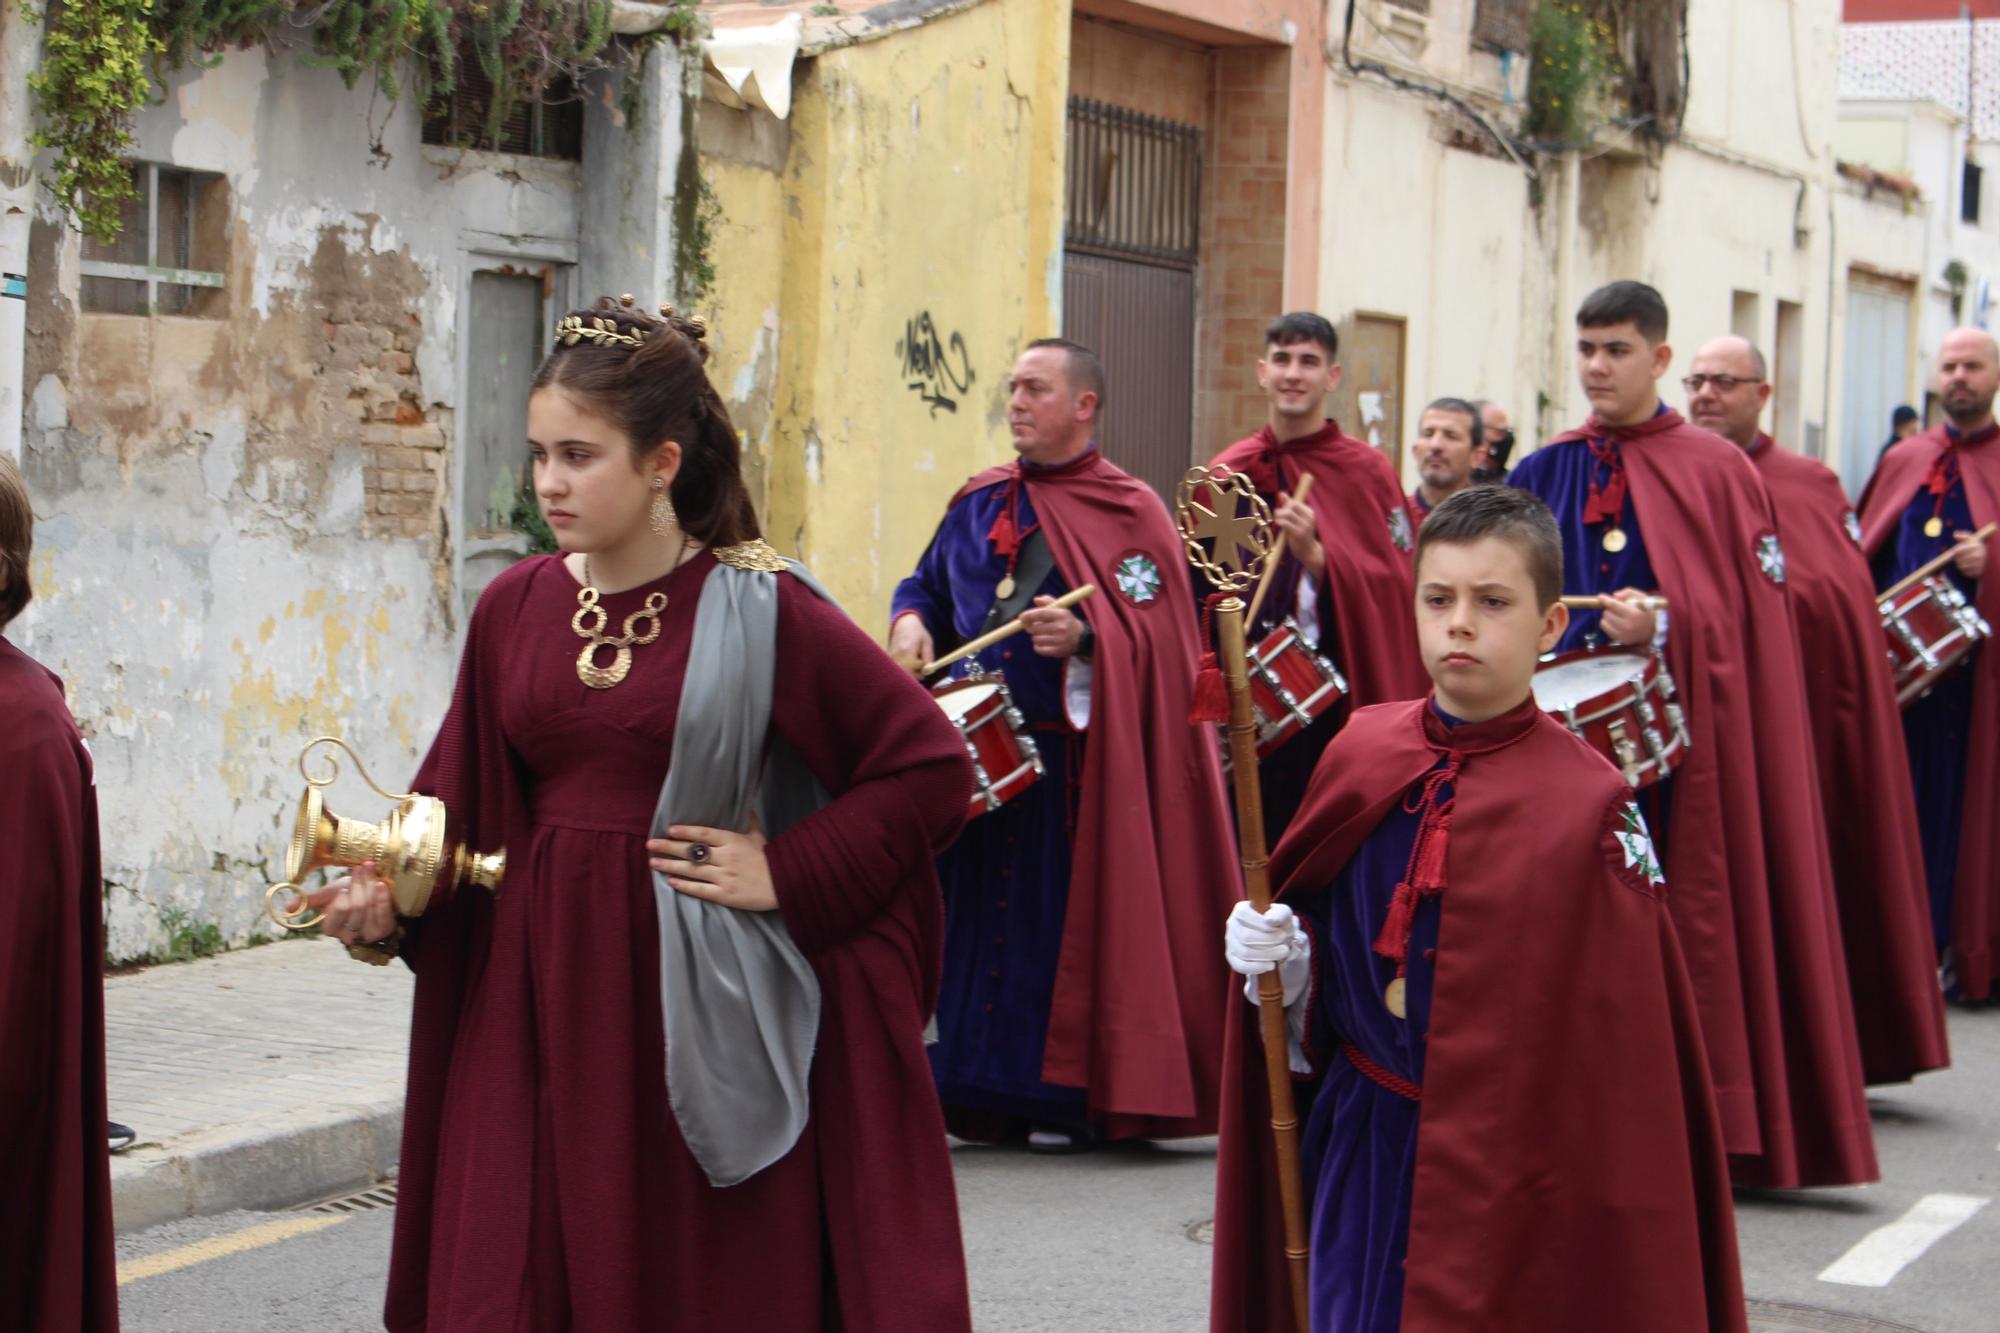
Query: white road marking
(1888, 1250)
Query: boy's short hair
(1303, 326)
(17, 541)
(1510, 514)
(1617, 302)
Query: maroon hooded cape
(1975, 911)
(1753, 892)
(1136, 1018)
(58, 1273)
(1864, 772)
(1366, 532)
(857, 886)
(1570, 1172)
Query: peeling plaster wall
(244, 523)
(882, 257)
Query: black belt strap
(1031, 570)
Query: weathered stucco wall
(881, 259)
(243, 536)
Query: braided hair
(645, 375)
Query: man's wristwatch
(382, 952)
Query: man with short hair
(1344, 571)
(1649, 504)
(1930, 494)
(1864, 776)
(1450, 449)
(1081, 997)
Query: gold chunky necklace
(590, 620)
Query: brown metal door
(1134, 195)
(1139, 319)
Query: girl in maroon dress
(57, 1270)
(652, 1079)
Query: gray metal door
(1134, 194)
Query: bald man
(1496, 433)
(1864, 777)
(1926, 499)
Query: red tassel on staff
(1211, 689)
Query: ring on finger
(698, 852)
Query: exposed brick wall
(1243, 239)
(375, 366)
(1156, 74)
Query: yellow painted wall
(919, 175)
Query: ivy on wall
(96, 56)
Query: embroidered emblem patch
(1137, 578)
(1853, 528)
(1399, 528)
(1636, 843)
(1771, 557)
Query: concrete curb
(291, 1159)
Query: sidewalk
(258, 1079)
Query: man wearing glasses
(1496, 434)
(1864, 772)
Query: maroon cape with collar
(1360, 511)
(1136, 1019)
(1570, 1172)
(1864, 772)
(893, 1256)
(57, 1269)
(1753, 892)
(1975, 911)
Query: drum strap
(1031, 570)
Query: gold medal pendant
(1393, 1001)
(1004, 588)
(1614, 540)
(1934, 526)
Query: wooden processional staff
(1218, 506)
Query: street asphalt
(1118, 1239)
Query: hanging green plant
(96, 54)
(1574, 63)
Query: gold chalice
(415, 846)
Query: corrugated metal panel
(1139, 318)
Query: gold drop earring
(662, 512)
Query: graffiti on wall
(939, 369)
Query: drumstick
(1922, 572)
(1271, 565)
(1595, 603)
(991, 637)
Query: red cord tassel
(1424, 876)
(1211, 693)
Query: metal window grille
(1134, 188)
(548, 126)
(1502, 24)
(150, 265)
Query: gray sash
(740, 1002)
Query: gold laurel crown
(572, 329)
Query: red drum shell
(1291, 686)
(1931, 630)
(1620, 701)
(1005, 762)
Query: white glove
(1255, 942)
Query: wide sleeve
(874, 738)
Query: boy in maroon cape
(1081, 995)
(1507, 1117)
(57, 1268)
(1871, 820)
(1647, 503)
(1344, 574)
(1928, 496)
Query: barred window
(551, 126)
(168, 255)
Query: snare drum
(1005, 762)
(1620, 701)
(1931, 629)
(1291, 686)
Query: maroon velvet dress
(545, 1183)
(58, 1273)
